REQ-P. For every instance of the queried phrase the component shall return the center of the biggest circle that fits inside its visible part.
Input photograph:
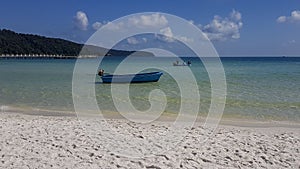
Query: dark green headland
(18, 45)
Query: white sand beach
(32, 141)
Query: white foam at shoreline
(4, 108)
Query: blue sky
(258, 30)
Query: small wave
(4, 108)
(35, 111)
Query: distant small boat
(182, 64)
(132, 78)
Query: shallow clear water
(259, 88)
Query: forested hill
(20, 45)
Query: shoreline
(166, 117)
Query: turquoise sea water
(257, 88)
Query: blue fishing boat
(131, 78)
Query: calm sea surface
(257, 88)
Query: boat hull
(132, 78)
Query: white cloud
(153, 20)
(114, 26)
(294, 17)
(235, 16)
(281, 19)
(132, 41)
(81, 20)
(191, 22)
(218, 29)
(143, 21)
(170, 37)
(221, 29)
(185, 39)
(167, 32)
(292, 41)
(97, 25)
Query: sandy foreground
(29, 141)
